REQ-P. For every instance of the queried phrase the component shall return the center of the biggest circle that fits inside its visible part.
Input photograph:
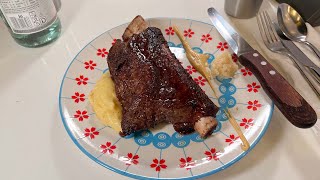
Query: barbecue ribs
(153, 87)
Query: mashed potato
(224, 66)
(105, 103)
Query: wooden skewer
(245, 144)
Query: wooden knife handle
(292, 105)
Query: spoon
(293, 26)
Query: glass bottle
(32, 23)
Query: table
(34, 143)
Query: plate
(161, 153)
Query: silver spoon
(293, 26)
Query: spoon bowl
(291, 23)
(293, 26)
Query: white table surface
(33, 142)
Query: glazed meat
(153, 87)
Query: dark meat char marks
(153, 87)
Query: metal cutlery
(273, 43)
(298, 54)
(293, 25)
(292, 105)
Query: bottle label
(28, 16)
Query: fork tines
(266, 28)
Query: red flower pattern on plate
(188, 33)
(81, 115)
(186, 163)
(114, 41)
(245, 71)
(78, 97)
(200, 80)
(131, 159)
(253, 87)
(82, 80)
(90, 65)
(102, 52)
(234, 57)
(108, 148)
(231, 139)
(191, 69)
(212, 154)
(246, 123)
(158, 164)
(254, 105)
(222, 46)
(206, 38)
(169, 31)
(91, 132)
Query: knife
(301, 57)
(292, 105)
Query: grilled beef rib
(153, 87)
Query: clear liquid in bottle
(32, 23)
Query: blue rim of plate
(225, 166)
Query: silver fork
(273, 43)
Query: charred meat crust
(153, 87)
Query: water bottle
(32, 23)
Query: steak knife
(292, 105)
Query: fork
(273, 43)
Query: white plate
(161, 153)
